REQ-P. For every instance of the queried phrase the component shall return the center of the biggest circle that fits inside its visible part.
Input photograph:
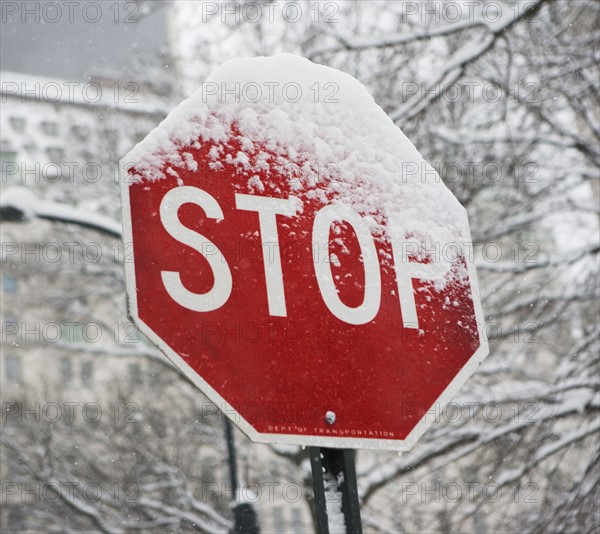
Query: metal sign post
(333, 470)
(244, 515)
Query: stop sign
(298, 260)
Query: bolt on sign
(299, 261)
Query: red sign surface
(290, 313)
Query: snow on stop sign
(298, 260)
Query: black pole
(335, 466)
(244, 514)
(233, 479)
(319, 490)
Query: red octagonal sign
(299, 261)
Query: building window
(87, 373)
(18, 124)
(66, 371)
(9, 284)
(56, 154)
(10, 318)
(10, 327)
(297, 520)
(71, 332)
(49, 128)
(12, 369)
(135, 374)
(154, 376)
(111, 137)
(8, 167)
(81, 132)
(278, 523)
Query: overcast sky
(79, 40)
